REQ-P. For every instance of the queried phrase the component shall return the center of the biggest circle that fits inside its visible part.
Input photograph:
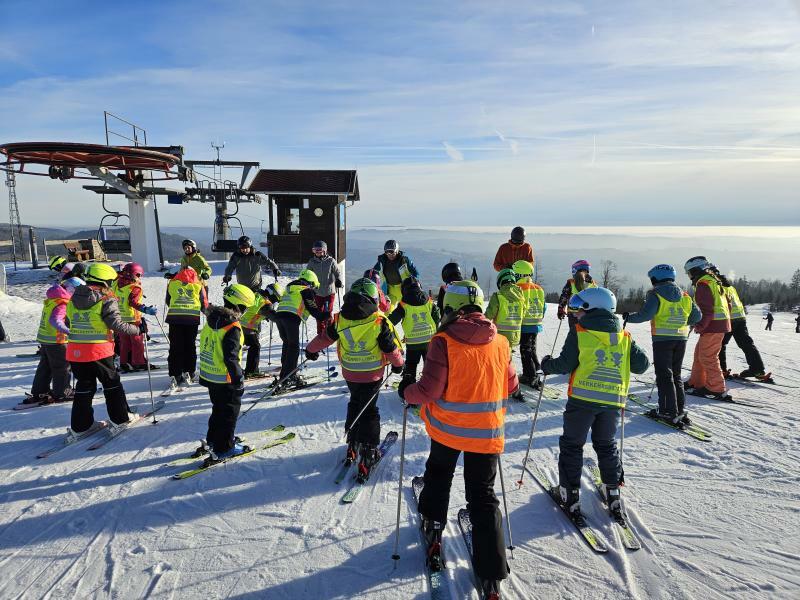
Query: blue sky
(463, 113)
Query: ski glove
(204, 276)
(544, 362)
(169, 275)
(562, 312)
(150, 310)
(226, 279)
(276, 273)
(625, 316)
(404, 383)
(311, 355)
(397, 370)
(339, 283)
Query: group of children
(466, 346)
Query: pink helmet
(581, 265)
(133, 269)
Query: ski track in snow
(716, 520)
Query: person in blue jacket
(395, 267)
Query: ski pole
(358, 416)
(536, 413)
(273, 389)
(269, 357)
(339, 298)
(652, 387)
(164, 333)
(621, 445)
(505, 505)
(149, 380)
(305, 338)
(327, 354)
(396, 556)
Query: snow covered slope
(717, 520)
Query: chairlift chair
(228, 245)
(114, 245)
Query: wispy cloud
(452, 152)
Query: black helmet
(244, 242)
(410, 283)
(518, 234)
(190, 243)
(391, 245)
(451, 272)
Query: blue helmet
(662, 273)
(592, 298)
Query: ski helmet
(274, 292)
(506, 276)
(373, 276)
(78, 270)
(523, 268)
(518, 234)
(459, 295)
(662, 273)
(71, 283)
(365, 287)
(57, 262)
(320, 245)
(309, 277)
(391, 246)
(409, 284)
(239, 295)
(101, 273)
(244, 242)
(696, 263)
(593, 298)
(191, 243)
(452, 272)
(581, 265)
(133, 269)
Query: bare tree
(609, 277)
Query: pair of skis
(694, 430)
(358, 485)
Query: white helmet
(698, 262)
(591, 298)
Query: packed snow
(717, 519)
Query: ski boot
(173, 385)
(727, 374)
(351, 455)
(684, 417)
(433, 538)
(570, 500)
(674, 420)
(751, 373)
(369, 458)
(614, 503)
(186, 380)
(528, 380)
(538, 384)
(490, 589)
(518, 396)
(235, 450)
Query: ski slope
(717, 519)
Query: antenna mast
(13, 215)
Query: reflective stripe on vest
(471, 415)
(127, 313)
(672, 317)
(292, 301)
(534, 294)
(357, 346)
(721, 310)
(604, 367)
(48, 334)
(212, 362)
(251, 317)
(736, 306)
(575, 290)
(417, 323)
(509, 318)
(184, 298)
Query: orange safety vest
(471, 414)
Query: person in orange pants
(707, 379)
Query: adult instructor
(248, 262)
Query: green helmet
(274, 291)
(101, 273)
(460, 294)
(523, 268)
(365, 287)
(506, 276)
(309, 277)
(57, 262)
(239, 295)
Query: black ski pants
(253, 343)
(480, 470)
(289, 329)
(87, 374)
(53, 366)
(742, 338)
(667, 361)
(579, 418)
(527, 351)
(226, 402)
(367, 430)
(182, 356)
(414, 353)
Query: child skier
(671, 313)
(450, 272)
(531, 322)
(467, 377)
(52, 336)
(600, 356)
(265, 300)
(418, 316)
(707, 379)
(93, 317)
(192, 258)
(295, 306)
(129, 292)
(186, 298)
(506, 309)
(580, 280)
(384, 305)
(366, 342)
(221, 371)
